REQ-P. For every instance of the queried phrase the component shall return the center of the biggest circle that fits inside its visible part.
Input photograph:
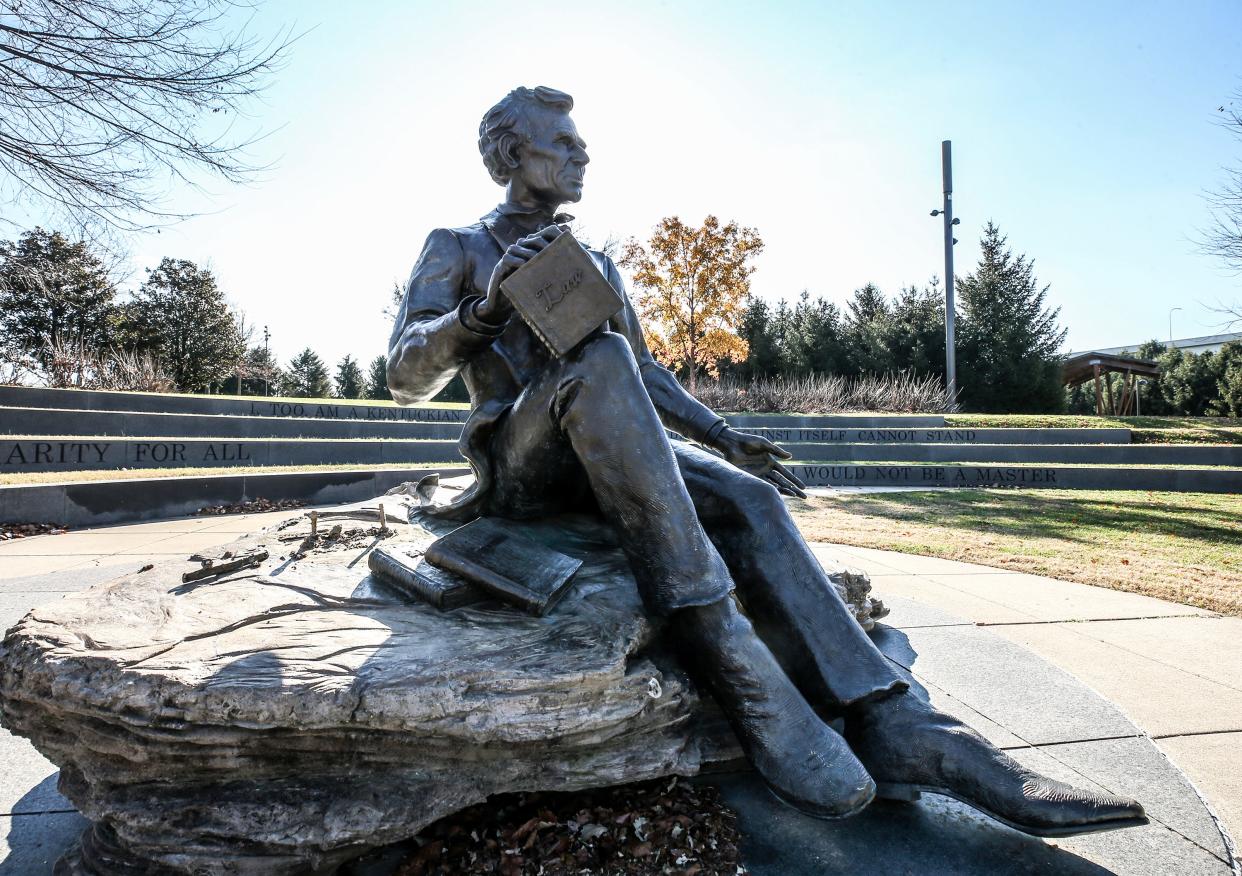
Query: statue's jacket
(436, 336)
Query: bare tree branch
(106, 103)
(1223, 238)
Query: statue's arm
(683, 413)
(678, 409)
(436, 332)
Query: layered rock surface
(287, 718)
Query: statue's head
(529, 143)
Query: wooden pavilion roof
(1080, 367)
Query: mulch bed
(25, 530)
(254, 506)
(661, 827)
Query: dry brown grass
(1183, 547)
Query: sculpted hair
(506, 125)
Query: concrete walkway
(1175, 671)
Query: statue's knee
(757, 498)
(607, 354)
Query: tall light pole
(1172, 346)
(950, 315)
(267, 358)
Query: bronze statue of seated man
(587, 431)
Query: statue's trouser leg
(588, 418)
(782, 585)
(586, 424)
(905, 744)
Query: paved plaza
(1145, 679)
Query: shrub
(826, 394)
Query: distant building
(1204, 344)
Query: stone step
(95, 503)
(1184, 480)
(751, 422)
(174, 403)
(941, 435)
(73, 421)
(48, 421)
(337, 409)
(70, 454)
(1089, 454)
(62, 453)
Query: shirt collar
(533, 218)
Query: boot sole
(911, 793)
(813, 812)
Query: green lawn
(1144, 430)
(1183, 547)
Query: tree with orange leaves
(691, 284)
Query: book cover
(417, 578)
(508, 565)
(562, 295)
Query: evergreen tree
(913, 334)
(758, 328)
(180, 315)
(813, 341)
(53, 289)
(1188, 382)
(377, 379)
(1151, 399)
(866, 325)
(1228, 401)
(260, 374)
(348, 378)
(1009, 352)
(306, 376)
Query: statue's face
(552, 163)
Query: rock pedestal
(286, 718)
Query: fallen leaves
(25, 530)
(666, 827)
(254, 506)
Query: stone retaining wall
(46, 421)
(172, 403)
(67, 454)
(1064, 477)
(941, 435)
(95, 503)
(1090, 454)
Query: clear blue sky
(1085, 130)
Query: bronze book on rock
(506, 564)
(562, 295)
(415, 577)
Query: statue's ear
(507, 148)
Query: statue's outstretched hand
(497, 307)
(759, 457)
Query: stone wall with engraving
(1078, 454)
(316, 409)
(1068, 477)
(41, 421)
(52, 454)
(945, 435)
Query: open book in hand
(562, 295)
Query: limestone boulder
(286, 718)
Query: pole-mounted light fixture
(950, 352)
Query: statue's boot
(909, 747)
(804, 762)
